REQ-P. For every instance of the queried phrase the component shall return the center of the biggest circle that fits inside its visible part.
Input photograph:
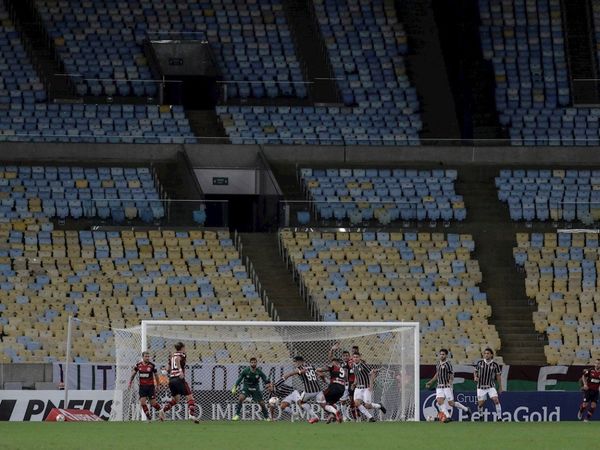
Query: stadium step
(489, 223)
(427, 71)
(207, 127)
(471, 77)
(580, 51)
(41, 50)
(263, 251)
(311, 51)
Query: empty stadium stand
(100, 43)
(426, 277)
(384, 195)
(116, 278)
(557, 195)
(525, 43)
(365, 44)
(561, 277)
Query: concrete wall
(27, 374)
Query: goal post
(217, 351)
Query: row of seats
(561, 275)
(524, 41)
(95, 123)
(116, 278)
(567, 195)
(386, 195)
(101, 43)
(430, 278)
(62, 191)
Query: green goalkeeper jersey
(251, 379)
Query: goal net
(218, 351)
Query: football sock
(443, 408)
(365, 411)
(146, 411)
(192, 407)
(480, 409)
(499, 410)
(581, 408)
(156, 406)
(376, 405)
(265, 413)
(330, 408)
(169, 405)
(238, 408)
(591, 411)
(309, 410)
(461, 406)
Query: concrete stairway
(274, 276)
(311, 51)
(495, 236)
(206, 125)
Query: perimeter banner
(516, 406)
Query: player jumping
(444, 393)
(148, 376)
(334, 392)
(363, 387)
(590, 382)
(250, 377)
(312, 388)
(177, 384)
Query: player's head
(346, 355)
(597, 365)
(253, 363)
(298, 360)
(355, 349)
(443, 354)
(336, 362)
(488, 353)
(146, 357)
(356, 357)
(180, 347)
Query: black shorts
(178, 386)
(333, 393)
(590, 396)
(147, 392)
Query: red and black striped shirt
(145, 373)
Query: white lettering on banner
(85, 376)
(34, 406)
(543, 380)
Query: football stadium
(280, 224)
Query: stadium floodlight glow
(218, 350)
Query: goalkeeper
(250, 377)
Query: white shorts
(316, 396)
(363, 394)
(446, 393)
(482, 394)
(292, 398)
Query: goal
(218, 350)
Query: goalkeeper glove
(234, 390)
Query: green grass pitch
(286, 435)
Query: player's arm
(372, 377)
(291, 374)
(156, 379)
(264, 378)
(499, 382)
(584, 381)
(238, 381)
(133, 374)
(476, 374)
(333, 348)
(433, 378)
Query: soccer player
(444, 392)
(312, 387)
(590, 382)
(487, 375)
(288, 394)
(363, 387)
(250, 377)
(148, 376)
(334, 392)
(177, 384)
